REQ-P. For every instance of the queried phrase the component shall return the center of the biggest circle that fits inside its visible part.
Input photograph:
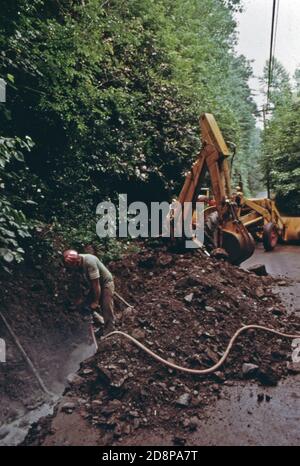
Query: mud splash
(14, 432)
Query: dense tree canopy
(111, 92)
(281, 141)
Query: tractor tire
(270, 236)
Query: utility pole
(264, 112)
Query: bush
(14, 226)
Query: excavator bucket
(292, 228)
(233, 237)
(238, 243)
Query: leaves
(13, 224)
(281, 142)
(10, 77)
(112, 96)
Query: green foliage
(281, 142)
(14, 226)
(84, 238)
(111, 93)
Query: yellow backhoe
(232, 221)
(263, 220)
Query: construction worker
(101, 284)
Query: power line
(270, 75)
(275, 40)
(275, 11)
(275, 34)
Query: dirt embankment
(35, 300)
(186, 308)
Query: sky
(254, 26)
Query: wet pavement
(240, 418)
(14, 432)
(283, 262)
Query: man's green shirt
(93, 268)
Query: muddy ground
(35, 300)
(186, 308)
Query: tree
(281, 143)
(14, 226)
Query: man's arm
(96, 293)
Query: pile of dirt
(186, 308)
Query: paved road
(284, 261)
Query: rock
(147, 262)
(186, 282)
(282, 283)
(108, 438)
(267, 377)
(277, 312)
(296, 342)
(32, 407)
(4, 431)
(68, 407)
(136, 423)
(249, 369)
(210, 309)
(219, 376)
(191, 423)
(74, 379)
(219, 253)
(184, 400)
(87, 371)
(138, 334)
(212, 356)
(104, 374)
(278, 356)
(165, 261)
(23, 423)
(81, 401)
(96, 403)
(162, 385)
(259, 292)
(179, 441)
(129, 314)
(111, 408)
(196, 402)
(258, 269)
(119, 381)
(260, 397)
(118, 430)
(188, 298)
(215, 388)
(176, 306)
(293, 367)
(185, 422)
